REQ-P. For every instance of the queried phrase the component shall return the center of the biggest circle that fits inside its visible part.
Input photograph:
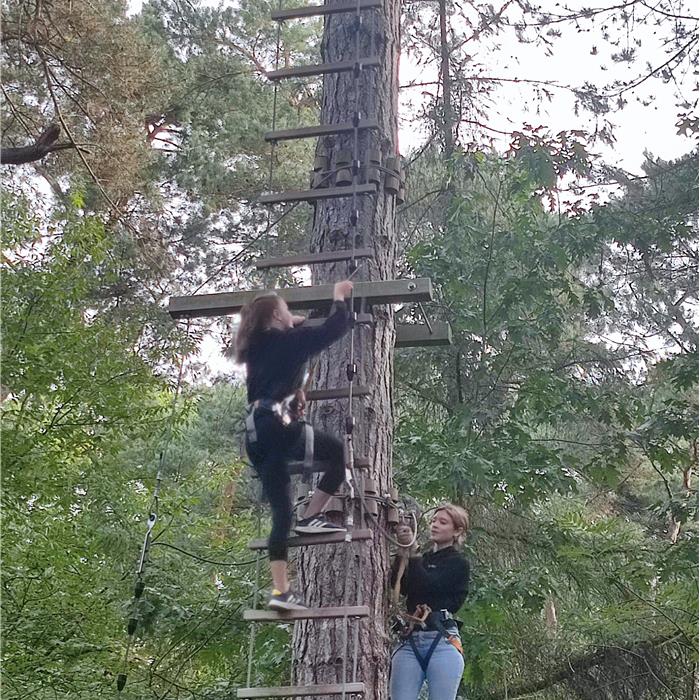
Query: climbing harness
(287, 410)
(425, 620)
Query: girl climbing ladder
(275, 346)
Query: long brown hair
(255, 317)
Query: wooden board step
(297, 467)
(311, 540)
(341, 392)
(322, 68)
(302, 691)
(224, 303)
(317, 10)
(314, 258)
(351, 611)
(317, 194)
(418, 335)
(313, 132)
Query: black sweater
(277, 358)
(439, 579)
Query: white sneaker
(317, 525)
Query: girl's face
(442, 529)
(282, 317)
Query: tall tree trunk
(356, 573)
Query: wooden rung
(312, 132)
(341, 392)
(225, 303)
(354, 611)
(311, 540)
(314, 258)
(417, 335)
(297, 467)
(316, 10)
(322, 68)
(302, 691)
(317, 194)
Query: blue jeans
(443, 674)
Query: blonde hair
(255, 317)
(459, 517)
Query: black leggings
(278, 444)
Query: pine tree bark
(356, 573)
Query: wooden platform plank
(418, 335)
(224, 303)
(311, 540)
(302, 691)
(313, 258)
(317, 131)
(341, 392)
(328, 9)
(353, 611)
(317, 194)
(322, 68)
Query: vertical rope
(256, 597)
(352, 367)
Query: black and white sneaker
(317, 525)
(285, 601)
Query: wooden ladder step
(312, 132)
(341, 392)
(323, 68)
(302, 691)
(318, 296)
(314, 258)
(317, 194)
(317, 10)
(418, 335)
(297, 467)
(353, 611)
(311, 540)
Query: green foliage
(573, 452)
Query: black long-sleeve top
(277, 358)
(438, 579)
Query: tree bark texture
(356, 573)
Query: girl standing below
(439, 579)
(275, 346)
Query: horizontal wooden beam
(355, 611)
(302, 691)
(328, 9)
(314, 258)
(311, 540)
(225, 303)
(314, 132)
(323, 68)
(316, 194)
(418, 335)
